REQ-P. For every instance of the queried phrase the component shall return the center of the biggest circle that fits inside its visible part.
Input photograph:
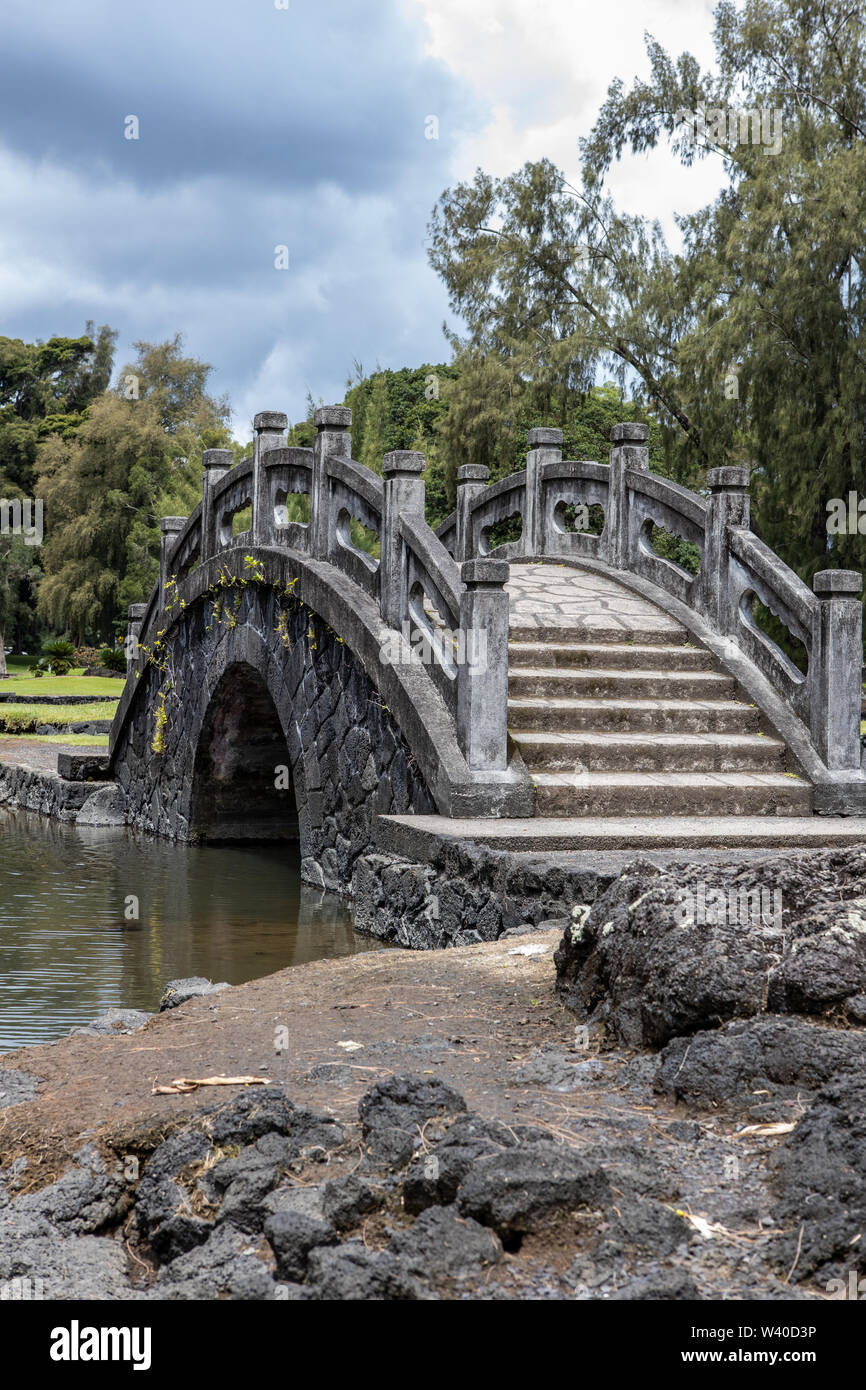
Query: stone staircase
(633, 720)
(637, 739)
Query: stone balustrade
(453, 618)
(735, 568)
(444, 594)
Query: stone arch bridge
(286, 683)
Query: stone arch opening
(242, 785)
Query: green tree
(747, 343)
(46, 388)
(374, 432)
(136, 457)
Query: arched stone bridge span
(285, 681)
(274, 689)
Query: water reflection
(69, 948)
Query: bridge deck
(558, 600)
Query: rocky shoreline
(674, 1111)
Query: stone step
(666, 632)
(612, 655)
(638, 716)
(680, 793)
(567, 751)
(544, 683)
(418, 837)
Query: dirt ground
(471, 1016)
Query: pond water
(69, 949)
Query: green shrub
(58, 657)
(112, 658)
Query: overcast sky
(301, 126)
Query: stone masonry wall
(347, 757)
(468, 893)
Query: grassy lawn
(23, 684)
(83, 740)
(16, 718)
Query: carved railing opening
(505, 532)
(578, 519)
(771, 631)
(671, 546)
(291, 509)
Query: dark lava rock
(652, 963)
(646, 1225)
(242, 1183)
(162, 1207)
(668, 1285)
(855, 1008)
(632, 1168)
(116, 1021)
(57, 1267)
(346, 1201)
(350, 1273)
(724, 1064)
(820, 1176)
(193, 987)
(223, 1267)
(264, 1110)
(442, 1244)
(179, 1234)
(305, 1199)
(530, 928)
(292, 1237)
(242, 1203)
(393, 1111)
(516, 1191)
(84, 1199)
(181, 1150)
(157, 1201)
(16, 1087)
(433, 1179)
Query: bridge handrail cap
(136, 611)
(473, 473)
(217, 458)
(169, 525)
(630, 432)
(544, 434)
(403, 461)
(484, 571)
(270, 420)
(837, 583)
(731, 477)
(333, 417)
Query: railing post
(170, 528)
(403, 493)
(835, 665)
(333, 425)
(215, 465)
(629, 450)
(270, 429)
(482, 674)
(472, 478)
(728, 505)
(545, 446)
(134, 613)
